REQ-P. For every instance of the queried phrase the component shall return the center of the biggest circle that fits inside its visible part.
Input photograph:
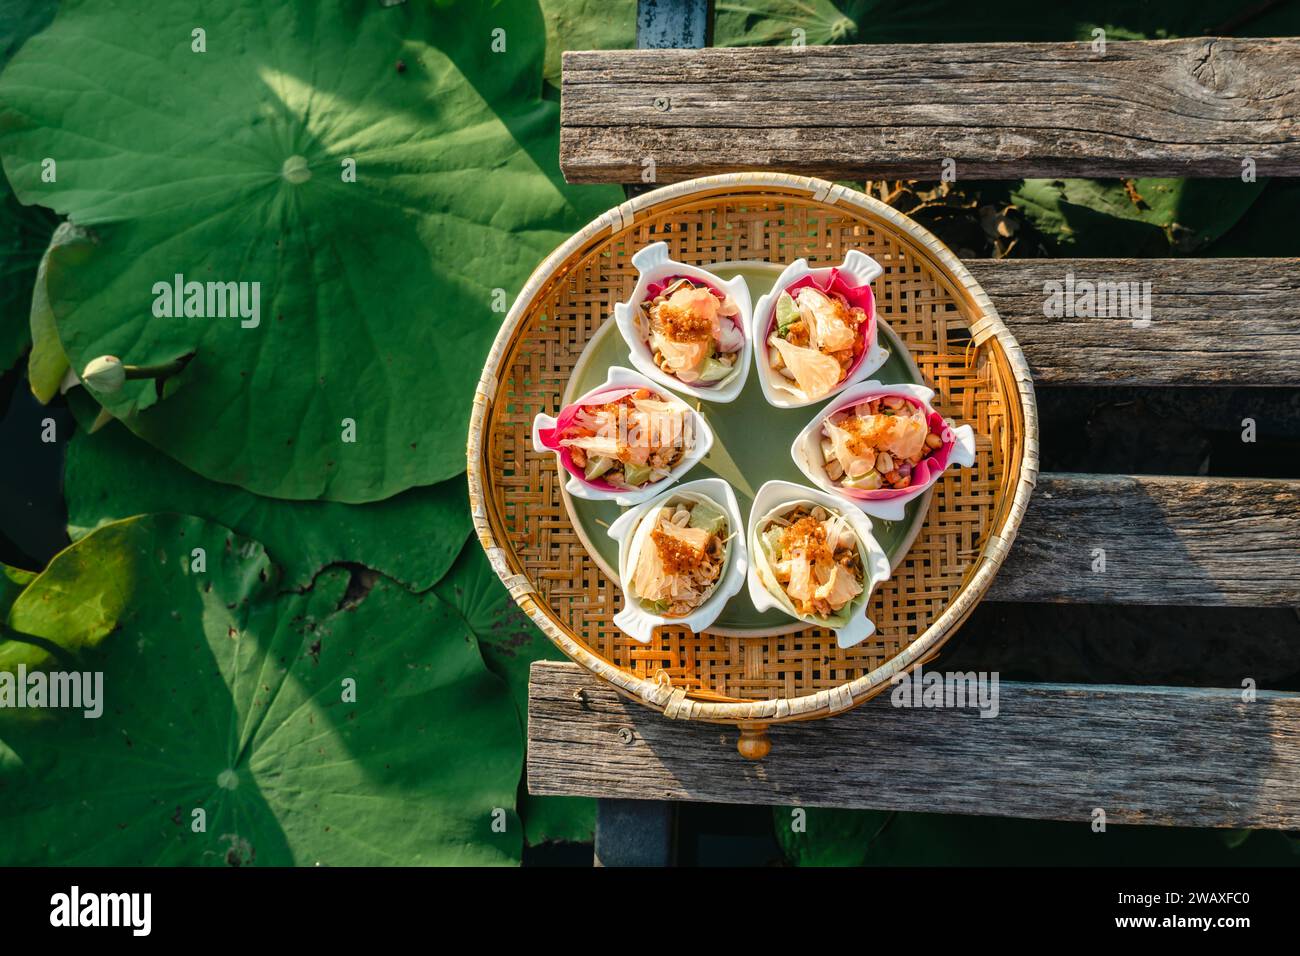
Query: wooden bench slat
(1212, 322)
(1189, 107)
(1172, 541)
(1152, 755)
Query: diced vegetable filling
(815, 341)
(693, 331)
(877, 444)
(629, 443)
(681, 562)
(813, 554)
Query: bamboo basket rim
(986, 328)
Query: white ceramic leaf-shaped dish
(618, 381)
(884, 503)
(778, 498)
(858, 270)
(655, 267)
(632, 533)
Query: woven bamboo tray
(957, 340)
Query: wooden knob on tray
(754, 743)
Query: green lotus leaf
(1268, 228)
(826, 836)
(586, 25)
(773, 23)
(24, 233)
(24, 230)
(510, 642)
(376, 298)
(412, 537)
(329, 726)
(47, 365)
(19, 19)
(83, 593)
(12, 582)
(1137, 217)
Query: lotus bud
(104, 374)
(107, 373)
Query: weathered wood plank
(1211, 322)
(1153, 755)
(1190, 107)
(1173, 541)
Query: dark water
(33, 517)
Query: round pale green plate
(751, 445)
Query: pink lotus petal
(550, 437)
(654, 288)
(859, 296)
(925, 472)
